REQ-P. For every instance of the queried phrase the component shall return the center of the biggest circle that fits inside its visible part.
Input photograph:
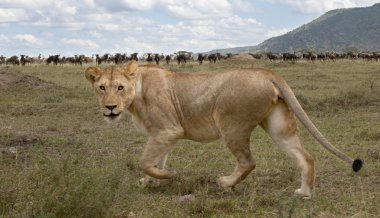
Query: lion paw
(149, 181)
(303, 194)
(225, 182)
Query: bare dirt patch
(243, 56)
(19, 140)
(11, 144)
(12, 77)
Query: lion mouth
(111, 115)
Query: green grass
(60, 159)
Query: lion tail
(288, 96)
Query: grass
(60, 159)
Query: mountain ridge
(339, 30)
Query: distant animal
(310, 56)
(13, 60)
(149, 59)
(25, 60)
(201, 57)
(212, 58)
(157, 58)
(133, 56)
(167, 59)
(170, 106)
(289, 57)
(2, 60)
(181, 58)
(102, 59)
(273, 57)
(52, 59)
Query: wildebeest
(134, 57)
(52, 59)
(149, 59)
(331, 56)
(183, 57)
(167, 59)
(13, 60)
(157, 58)
(289, 57)
(310, 56)
(201, 57)
(273, 57)
(212, 58)
(24, 60)
(321, 56)
(2, 60)
(103, 58)
(352, 55)
(376, 55)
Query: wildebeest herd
(322, 56)
(183, 57)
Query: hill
(337, 30)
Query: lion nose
(110, 107)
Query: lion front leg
(150, 181)
(153, 159)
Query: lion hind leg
(246, 162)
(282, 128)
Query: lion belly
(201, 129)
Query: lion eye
(102, 88)
(120, 88)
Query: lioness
(170, 106)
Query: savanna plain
(60, 159)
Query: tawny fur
(170, 106)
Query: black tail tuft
(357, 165)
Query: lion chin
(110, 118)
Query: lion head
(114, 88)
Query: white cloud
(109, 27)
(322, 6)
(364, 3)
(13, 15)
(243, 5)
(276, 32)
(127, 5)
(4, 39)
(28, 39)
(208, 34)
(131, 44)
(200, 9)
(236, 22)
(80, 42)
(203, 31)
(24, 3)
(66, 8)
(89, 3)
(96, 34)
(140, 4)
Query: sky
(69, 27)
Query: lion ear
(92, 74)
(130, 70)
